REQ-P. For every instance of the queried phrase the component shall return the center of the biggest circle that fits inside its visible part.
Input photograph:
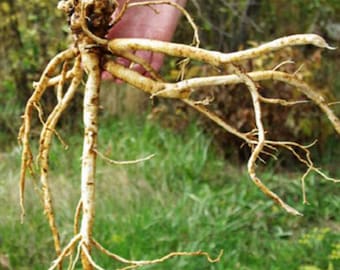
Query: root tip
(330, 47)
(292, 210)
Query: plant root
(93, 54)
(24, 133)
(183, 89)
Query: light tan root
(91, 63)
(124, 162)
(213, 57)
(131, 264)
(73, 261)
(67, 250)
(135, 264)
(77, 215)
(137, 60)
(85, 250)
(183, 89)
(23, 137)
(44, 147)
(89, 52)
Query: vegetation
(196, 200)
(30, 43)
(185, 195)
(232, 25)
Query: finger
(123, 61)
(156, 63)
(107, 76)
(157, 60)
(146, 56)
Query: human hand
(158, 22)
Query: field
(186, 198)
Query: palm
(157, 23)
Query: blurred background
(195, 194)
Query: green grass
(186, 198)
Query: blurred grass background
(195, 193)
(186, 198)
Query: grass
(186, 198)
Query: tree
(92, 53)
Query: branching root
(93, 54)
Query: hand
(158, 22)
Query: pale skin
(158, 22)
